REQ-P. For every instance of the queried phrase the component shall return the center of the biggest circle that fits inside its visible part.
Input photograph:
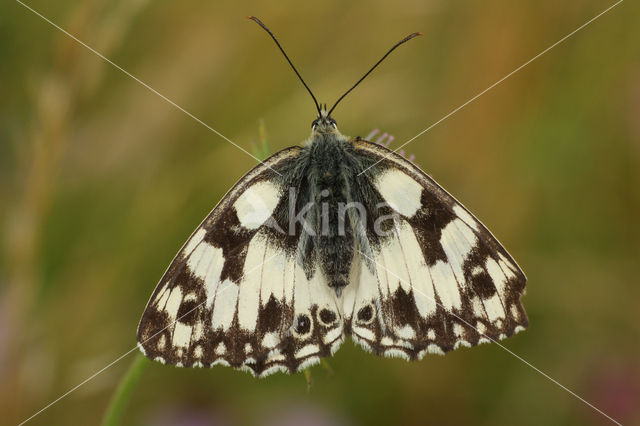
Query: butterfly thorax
(330, 209)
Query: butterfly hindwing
(439, 280)
(236, 295)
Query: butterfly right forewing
(440, 280)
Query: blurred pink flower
(385, 140)
(615, 385)
(184, 416)
(303, 415)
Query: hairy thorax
(328, 207)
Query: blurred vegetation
(101, 181)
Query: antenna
(264, 27)
(404, 40)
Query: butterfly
(338, 237)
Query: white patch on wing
(465, 216)
(197, 352)
(198, 331)
(288, 280)
(407, 332)
(323, 296)
(332, 335)
(494, 308)
(446, 285)
(181, 335)
(349, 292)
(507, 262)
(221, 349)
(173, 303)
(161, 299)
(393, 259)
(301, 298)
(386, 341)
(249, 296)
(396, 353)
(460, 343)
(275, 356)
(361, 292)
(476, 270)
(335, 346)
(302, 291)
(364, 333)
(506, 269)
(435, 349)
(256, 204)
(274, 267)
(308, 363)
(457, 241)
(418, 271)
(162, 341)
(212, 276)
(514, 312)
(400, 191)
(497, 276)
(481, 328)
(194, 241)
(458, 330)
(270, 340)
(478, 309)
(307, 350)
(201, 259)
(315, 292)
(273, 369)
(225, 306)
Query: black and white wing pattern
(438, 281)
(236, 295)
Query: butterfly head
(324, 123)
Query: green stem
(122, 394)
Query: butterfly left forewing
(439, 279)
(236, 295)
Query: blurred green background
(101, 181)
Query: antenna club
(409, 37)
